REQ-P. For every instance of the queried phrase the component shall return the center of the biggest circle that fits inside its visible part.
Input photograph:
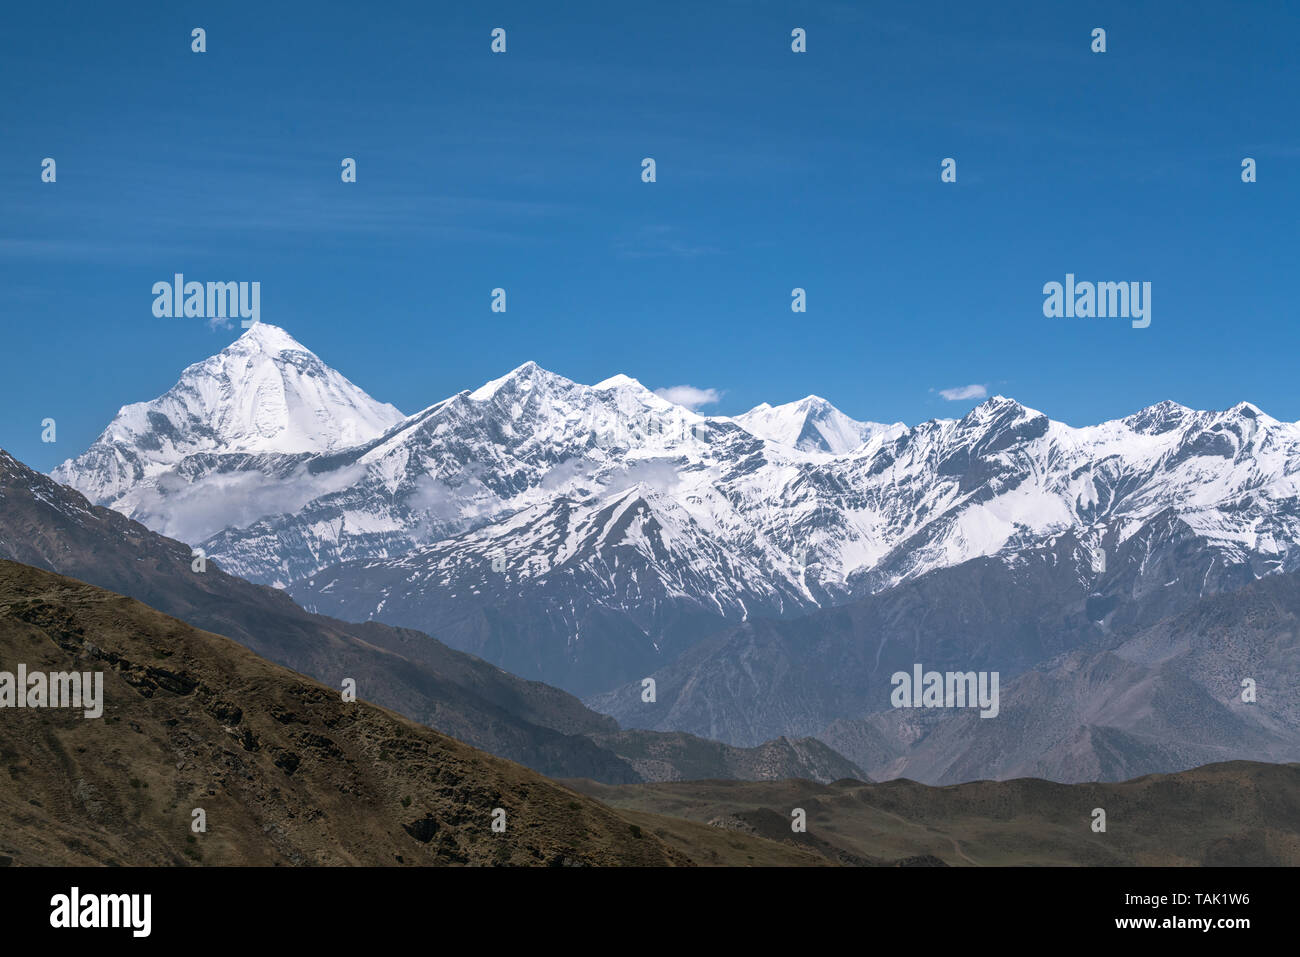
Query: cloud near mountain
(965, 392)
(689, 396)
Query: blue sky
(775, 170)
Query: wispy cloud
(655, 241)
(82, 250)
(160, 211)
(965, 392)
(689, 396)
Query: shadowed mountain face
(50, 526)
(1233, 814)
(284, 770)
(796, 677)
(1162, 698)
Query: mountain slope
(1157, 699)
(678, 757)
(285, 771)
(53, 527)
(1011, 614)
(583, 595)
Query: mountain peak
(811, 424)
(1000, 407)
(1159, 418)
(523, 378)
(1167, 407)
(999, 422)
(264, 337)
(619, 381)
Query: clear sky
(774, 170)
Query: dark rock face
(423, 830)
(1079, 700)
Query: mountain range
(769, 570)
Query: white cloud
(689, 396)
(965, 392)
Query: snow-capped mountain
(766, 513)
(244, 414)
(813, 425)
